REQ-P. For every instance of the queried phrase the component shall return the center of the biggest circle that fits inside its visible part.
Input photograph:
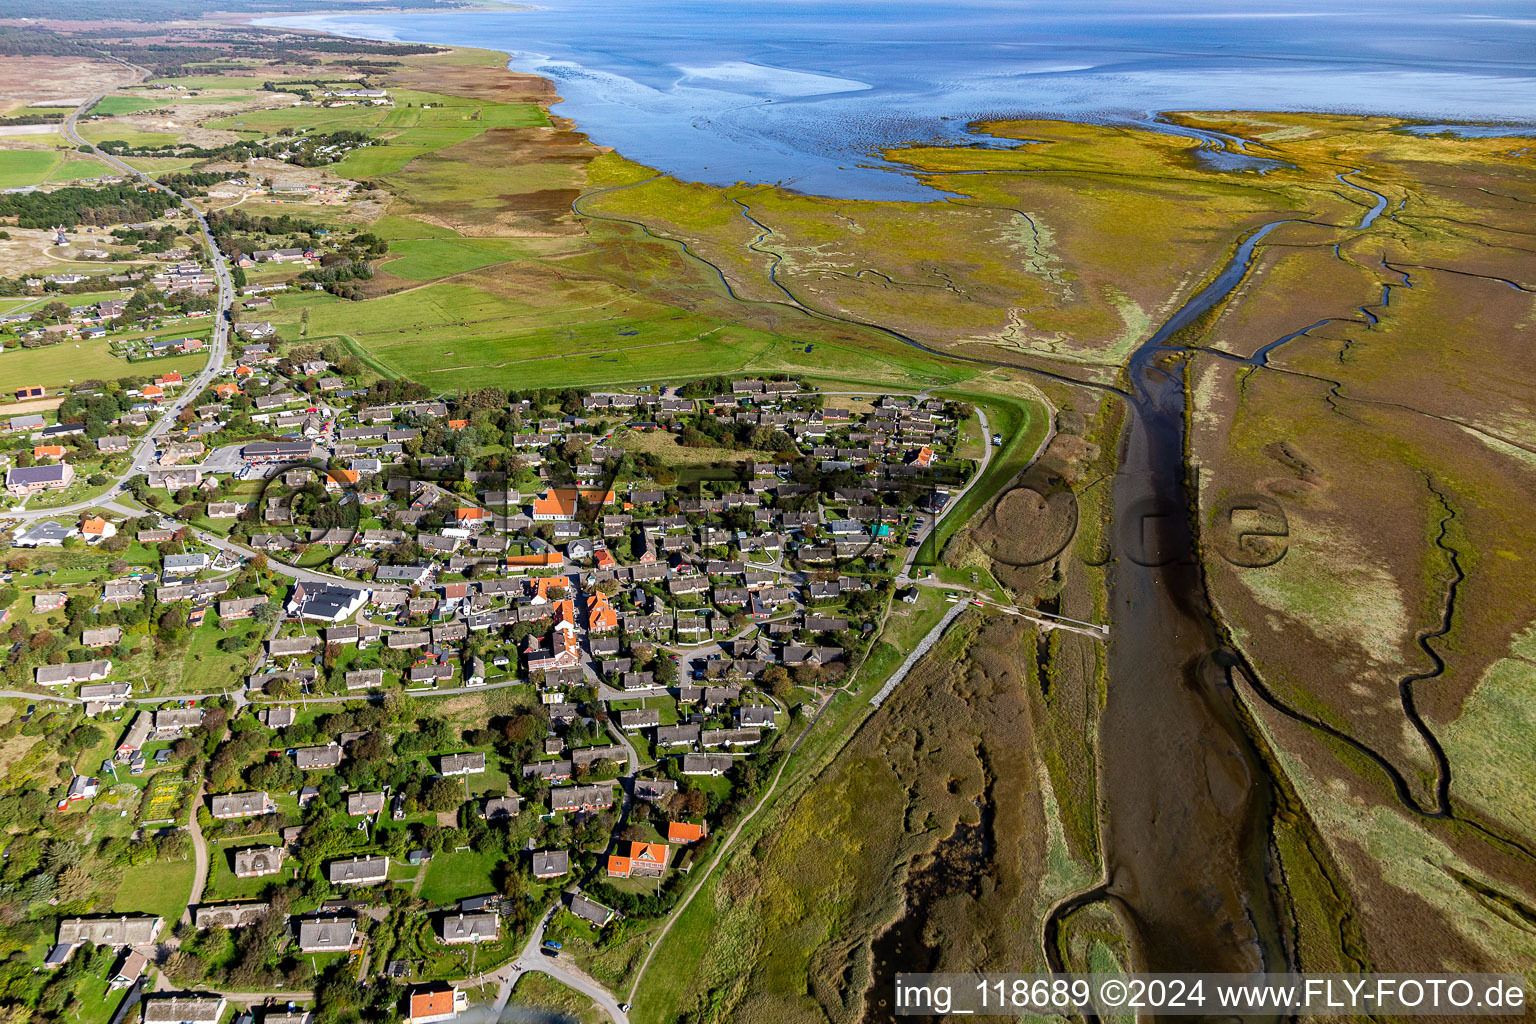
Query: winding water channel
(1187, 797)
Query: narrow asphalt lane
(218, 348)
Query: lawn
(222, 883)
(105, 131)
(372, 161)
(348, 118)
(453, 876)
(212, 82)
(71, 361)
(160, 887)
(76, 167)
(94, 1001)
(205, 666)
(394, 227)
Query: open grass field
(206, 667)
(251, 82)
(77, 166)
(427, 259)
(453, 876)
(69, 362)
(108, 130)
(159, 887)
(20, 167)
(128, 104)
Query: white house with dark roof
(255, 861)
(45, 533)
(72, 672)
(240, 805)
(472, 763)
(327, 934)
(189, 1009)
(314, 758)
(551, 863)
(466, 929)
(358, 871)
(591, 911)
(123, 930)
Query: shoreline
(862, 167)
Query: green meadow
(427, 259)
(19, 167)
(111, 106)
(71, 361)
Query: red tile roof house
(96, 528)
(559, 503)
(471, 516)
(684, 832)
(439, 1002)
(601, 616)
(646, 859)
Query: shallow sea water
(807, 93)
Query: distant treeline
(234, 152)
(299, 149)
(169, 59)
(30, 118)
(109, 204)
(30, 42)
(177, 10)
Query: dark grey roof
(31, 476)
(326, 934)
